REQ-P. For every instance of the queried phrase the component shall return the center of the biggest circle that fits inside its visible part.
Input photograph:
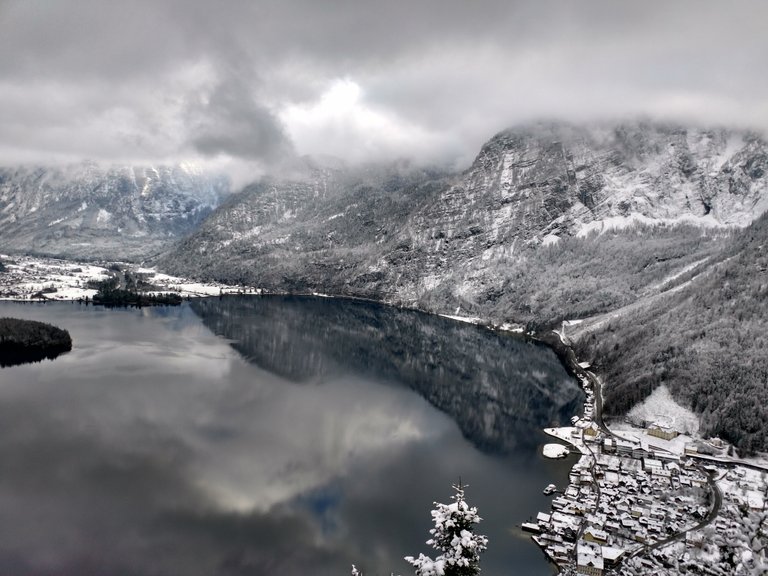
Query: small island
(23, 341)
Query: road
(713, 512)
(568, 356)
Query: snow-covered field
(661, 408)
(32, 278)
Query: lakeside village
(641, 499)
(38, 279)
(648, 499)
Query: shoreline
(574, 531)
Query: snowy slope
(438, 241)
(88, 211)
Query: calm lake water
(270, 435)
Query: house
(612, 556)
(652, 465)
(694, 539)
(589, 559)
(595, 535)
(755, 500)
(624, 446)
(662, 431)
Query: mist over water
(269, 436)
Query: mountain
(472, 241)
(645, 230)
(649, 233)
(85, 211)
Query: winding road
(569, 356)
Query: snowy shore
(29, 278)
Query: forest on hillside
(581, 277)
(706, 342)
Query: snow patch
(555, 451)
(623, 222)
(466, 319)
(103, 217)
(550, 240)
(661, 407)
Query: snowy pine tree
(454, 538)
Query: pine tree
(454, 538)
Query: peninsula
(23, 341)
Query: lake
(270, 435)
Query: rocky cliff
(445, 241)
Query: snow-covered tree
(454, 538)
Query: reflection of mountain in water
(498, 388)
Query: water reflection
(495, 386)
(153, 448)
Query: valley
(641, 244)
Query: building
(595, 535)
(662, 431)
(589, 559)
(612, 556)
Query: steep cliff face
(330, 231)
(538, 183)
(117, 213)
(444, 241)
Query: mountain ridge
(89, 211)
(551, 222)
(423, 237)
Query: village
(39, 279)
(647, 499)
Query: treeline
(23, 341)
(110, 294)
(707, 343)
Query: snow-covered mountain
(548, 180)
(87, 211)
(440, 241)
(638, 221)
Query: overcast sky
(247, 83)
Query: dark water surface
(269, 435)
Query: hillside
(550, 222)
(707, 342)
(520, 220)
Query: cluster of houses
(735, 542)
(621, 498)
(642, 499)
(28, 278)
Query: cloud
(230, 121)
(342, 123)
(243, 83)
